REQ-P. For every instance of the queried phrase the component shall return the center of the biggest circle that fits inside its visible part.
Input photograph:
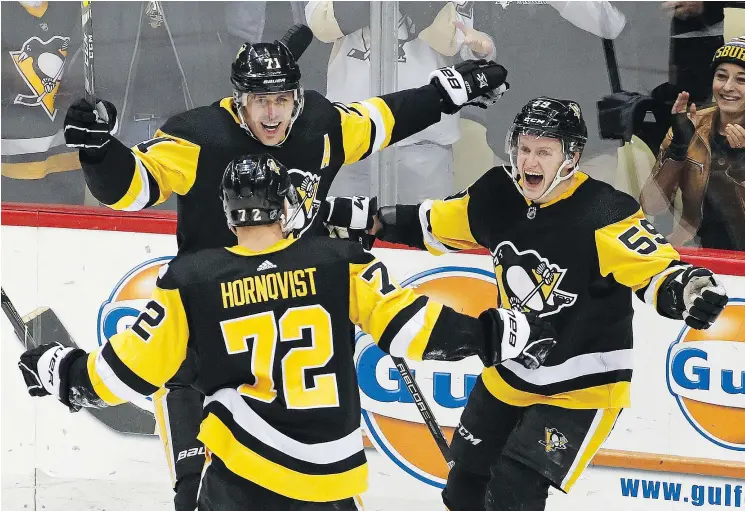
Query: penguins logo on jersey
(529, 282)
(553, 440)
(404, 22)
(307, 192)
(41, 64)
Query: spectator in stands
(696, 32)
(430, 34)
(703, 156)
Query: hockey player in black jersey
(270, 320)
(269, 111)
(571, 249)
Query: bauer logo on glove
(473, 82)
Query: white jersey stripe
(320, 453)
(581, 365)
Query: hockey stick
(15, 319)
(424, 409)
(87, 25)
(297, 39)
(609, 48)
(43, 326)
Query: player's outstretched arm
(405, 324)
(133, 364)
(458, 222)
(639, 257)
(123, 178)
(374, 124)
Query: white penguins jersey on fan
(349, 64)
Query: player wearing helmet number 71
(268, 112)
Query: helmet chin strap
(290, 220)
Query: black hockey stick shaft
(87, 23)
(15, 319)
(611, 63)
(297, 39)
(424, 409)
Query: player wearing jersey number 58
(572, 250)
(268, 112)
(269, 320)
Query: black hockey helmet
(555, 118)
(254, 189)
(265, 68)
(552, 118)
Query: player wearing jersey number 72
(281, 403)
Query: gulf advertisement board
(688, 393)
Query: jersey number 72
(264, 331)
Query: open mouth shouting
(533, 180)
(270, 128)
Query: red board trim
(724, 262)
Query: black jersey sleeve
(458, 222)
(374, 124)
(148, 173)
(404, 323)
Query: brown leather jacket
(690, 176)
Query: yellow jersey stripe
(218, 438)
(381, 115)
(157, 357)
(610, 395)
(600, 429)
(171, 161)
(97, 382)
(160, 407)
(138, 194)
(227, 104)
(371, 306)
(631, 253)
(418, 344)
(355, 132)
(445, 225)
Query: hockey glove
(683, 132)
(88, 128)
(693, 295)
(472, 82)
(511, 334)
(351, 218)
(45, 369)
